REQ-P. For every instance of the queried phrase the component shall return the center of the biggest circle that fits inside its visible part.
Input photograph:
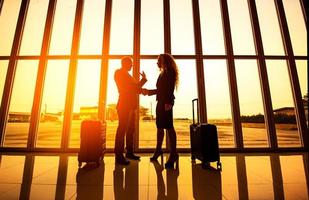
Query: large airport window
(211, 27)
(8, 20)
(152, 35)
(17, 127)
(283, 106)
(297, 26)
(92, 27)
(53, 102)
(3, 70)
(270, 29)
(241, 29)
(218, 100)
(86, 97)
(121, 39)
(182, 37)
(62, 33)
(251, 104)
(111, 103)
(34, 28)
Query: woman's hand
(168, 107)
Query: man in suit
(128, 89)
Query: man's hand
(143, 75)
(145, 92)
(167, 107)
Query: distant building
(90, 112)
(51, 117)
(285, 111)
(19, 117)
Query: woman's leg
(173, 140)
(160, 137)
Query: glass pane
(182, 111)
(297, 28)
(111, 102)
(122, 27)
(256, 177)
(21, 104)
(241, 27)
(302, 71)
(86, 97)
(147, 122)
(61, 39)
(270, 29)
(295, 185)
(182, 36)
(281, 94)
(11, 173)
(251, 106)
(211, 27)
(218, 100)
(34, 28)
(8, 21)
(44, 177)
(92, 27)
(152, 37)
(3, 70)
(52, 109)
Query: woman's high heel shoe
(171, 160)
(156, 154)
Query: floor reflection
(243, 176)
(126, 181)
(90, 182)
(171, 182)
(206, 183)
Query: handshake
(144, 92)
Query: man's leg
(123, 118)
(130, 137)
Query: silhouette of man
(128, 88)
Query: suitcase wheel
(193, 159)
(219, 166)
(79, 164)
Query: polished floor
(243, 176)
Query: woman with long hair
(167, 82)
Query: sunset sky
(215, 71)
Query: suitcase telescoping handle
(198, 118)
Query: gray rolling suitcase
(204, 141)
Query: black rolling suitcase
(204, 141)
(92, 142)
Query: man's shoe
(132, 156)
(122, 160)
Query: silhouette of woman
(166, 83)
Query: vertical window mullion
(104, 61)
(167, 26)
(268, 108)
(199, 62)
(136, 61)
(37, 101)
(304, 5)
(72, 76)
(232, 76)
(299, 109)
(9, 81)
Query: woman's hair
(169, 66)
